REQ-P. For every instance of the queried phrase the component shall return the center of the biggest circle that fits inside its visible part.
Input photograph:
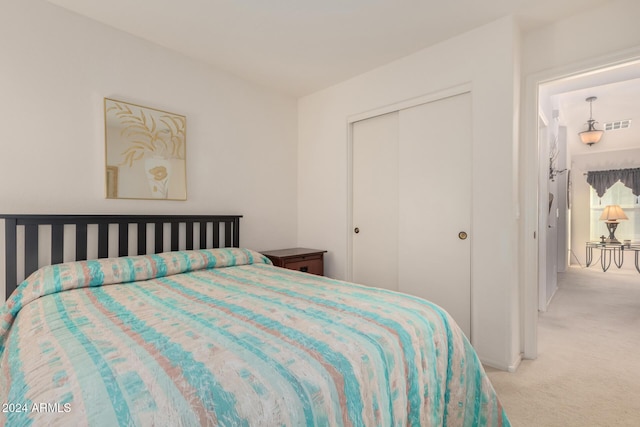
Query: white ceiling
(618, 92)
(301, 46)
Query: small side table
(301, 259)
(607, 252)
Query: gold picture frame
(145, 152)
(112, 182)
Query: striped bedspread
(222, 337)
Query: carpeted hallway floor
(588, 369)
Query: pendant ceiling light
(592, 135)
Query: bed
(218, 336)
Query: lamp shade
(613, 213)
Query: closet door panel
(434, 201)
(375, 201)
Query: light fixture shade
(612, 213)
(591, 135)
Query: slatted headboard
(211, 229)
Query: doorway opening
(560, 202)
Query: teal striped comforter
(221, 337)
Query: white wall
(487, 59)
(556, 243)
(595, 32)
(55, 69)
(563, 202)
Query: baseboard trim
(511, 367)
(515, 363)
(551, 298)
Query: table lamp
(611, 215)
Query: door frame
(389, 108)
(531, 168)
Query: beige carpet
(588, 369)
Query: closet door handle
(463, 235)
(356, 230)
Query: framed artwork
(145, 152)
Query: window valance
(602, 180)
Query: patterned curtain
(602, 180)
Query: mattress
(222, 337)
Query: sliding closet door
(375, 201)
(434, 201)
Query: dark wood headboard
(226, 227)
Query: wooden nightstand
(301, 259)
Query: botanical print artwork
(145, 152)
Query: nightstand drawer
(301, 259)
(313, 266)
